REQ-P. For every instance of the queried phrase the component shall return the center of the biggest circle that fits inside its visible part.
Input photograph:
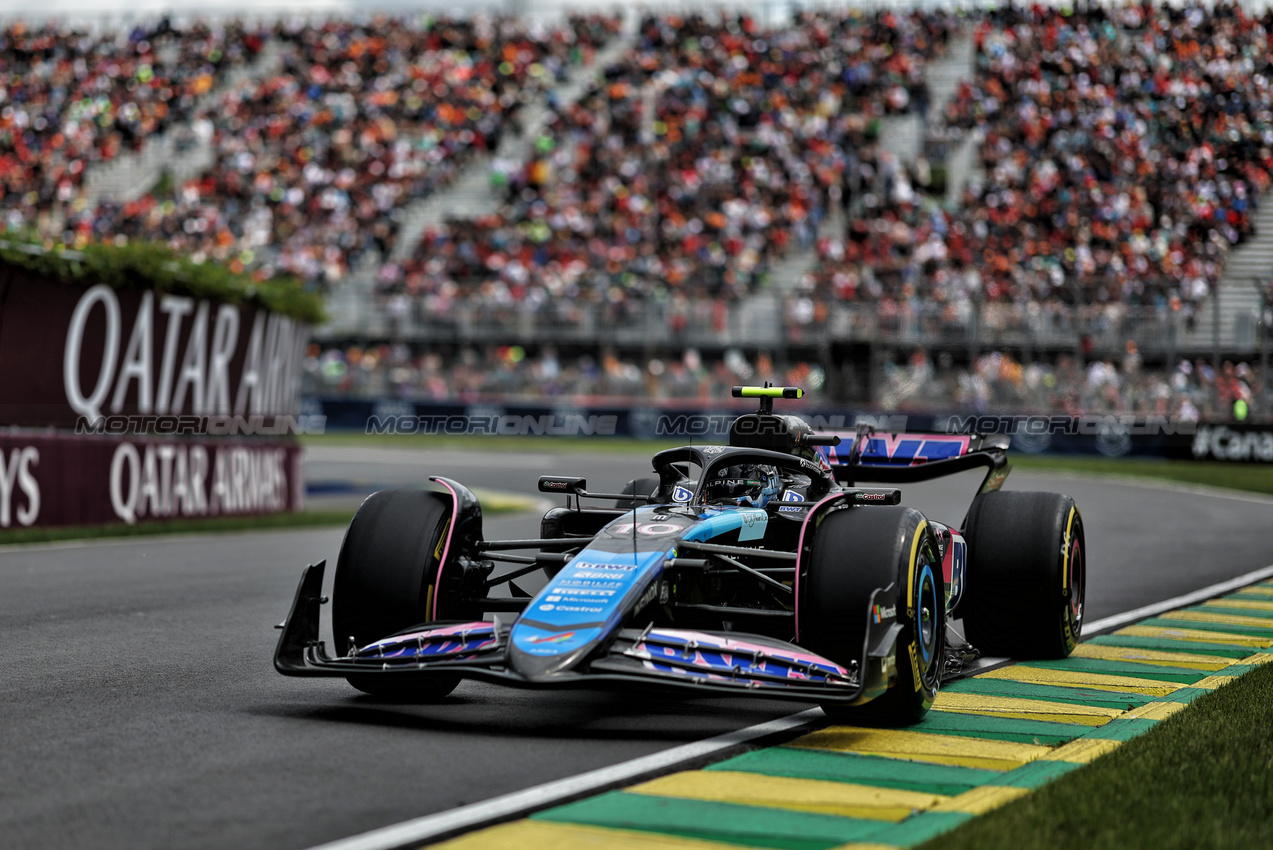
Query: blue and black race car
(758, 567)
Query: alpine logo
(561, 638)
(651, 593)
(682, 494)
(913, 449)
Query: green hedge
(147, 265)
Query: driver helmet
(748, 485)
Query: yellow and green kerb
(988, 740)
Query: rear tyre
(386, 578)
(1027, 575)
(856, 551)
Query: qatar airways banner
(66, 479)
(72, 354)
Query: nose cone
(538, 651)
(591, 595)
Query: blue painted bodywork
(606, 582)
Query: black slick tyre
(386, 578)
(854, 552)
(1027, 575)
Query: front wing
(705, 662)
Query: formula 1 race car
(756, 567)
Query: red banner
(65, 479)
(71, 353)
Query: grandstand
(1017, 209)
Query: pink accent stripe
(804, 528)
(730, 645)
(893, 440)
(444, 631)
(948, 561)
(450, 532)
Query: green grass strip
(1183, 675)
(1043, 732)
(1035, 774)
(860, 769)
(1166, 622)
(1049, 693)
(1224, 650)
(1218, 607)
(301, 519)
(919, 828)
(1201, 778)
(1188, 695)
(1124, 728)
(493, 503)
(1253, 477)
(753, 826)
(153, 265)
(1238, 669)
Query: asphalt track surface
(140, 708)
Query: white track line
(1177, 602)
(432, 826)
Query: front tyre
(1027, 575)
(386, 580)
(854, 552)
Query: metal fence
(771, 320)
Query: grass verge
(493, 503)
(542, 444)
(1201, 778)
(1253, 477)
(301, 519)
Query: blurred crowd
(996, 382)
(510, 372)
(313, 163)
(71, 99)
(1123, 154)
(708, 149)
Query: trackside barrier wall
(1097, 434)
(119, 405)
(70, 479)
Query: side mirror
(562, 484)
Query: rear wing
(864, 455)
(904, 458)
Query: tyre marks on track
(988, 740)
